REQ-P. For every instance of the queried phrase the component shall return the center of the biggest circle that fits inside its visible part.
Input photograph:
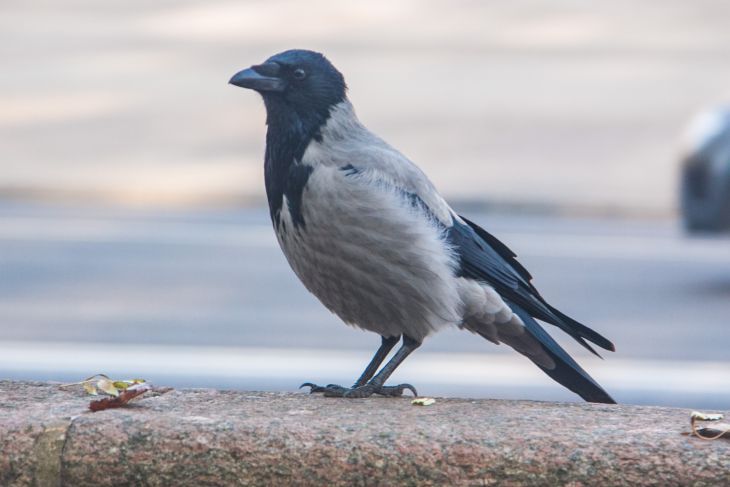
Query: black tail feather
(583, 331)
(566, 371)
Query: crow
(367, 233)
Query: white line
(482, 370)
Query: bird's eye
(299, 74)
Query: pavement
(205, 298)
(567, 104)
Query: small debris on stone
(120, 400)
(699, 416)
(101, 382)
(121, 391)
(423, 401)
(714, 432)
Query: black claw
(314, 388)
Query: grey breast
(371, 256)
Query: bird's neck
(288, 135)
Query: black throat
(288, 135)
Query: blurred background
(134, 238)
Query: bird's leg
(386, 346)
(376, 384)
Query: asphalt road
(205, 298)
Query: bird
(368, 234)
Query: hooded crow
(368, 234)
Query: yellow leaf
(423, 401)
(90, 388)
(124, 384)
(107, 386)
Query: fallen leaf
(713, 432)
(106, 386)
(123, 384)
(88, 384)
(90, 388)
(699, 416)
(122, 399)
(423, 401)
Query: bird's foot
(329, 390)
(367, 390)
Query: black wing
(484, 258)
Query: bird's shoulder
(368, 161)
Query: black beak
(263, 77)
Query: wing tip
(583, 331)
(598, 396)
(566, 371)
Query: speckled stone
(208, 437)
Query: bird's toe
(366, 390)
(397, 391)
(333, 390)
(313, 388)
(330, 390)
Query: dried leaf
(714, 432)
(699, 416)
(86, 383)
(102, 383)
(106, 386)
(122, 399)
(423, 401)
(123, 384)
(90, 388)
(721, 430)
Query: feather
(486, 259)
(565, 371)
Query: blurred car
(705, 176)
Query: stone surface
(209, 437)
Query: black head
(302, 81)
(299, 89)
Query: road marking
(201, 364)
